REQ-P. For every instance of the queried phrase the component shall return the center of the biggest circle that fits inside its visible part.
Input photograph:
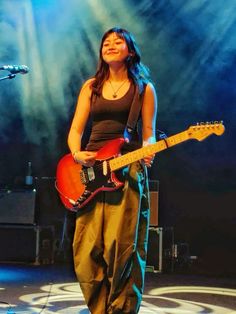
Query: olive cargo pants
(110, 246)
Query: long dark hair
(137, 71)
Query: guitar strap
(134, 113)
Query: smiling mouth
(112, 53)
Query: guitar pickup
(91, 174)
(104, 167)
(86, 175)
(87, 193)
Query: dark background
(189, 47)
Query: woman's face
(114, 49)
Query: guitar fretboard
(151, 149)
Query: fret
(198, 132)
(176, 139)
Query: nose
(111, 46)
(111, 50)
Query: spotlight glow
(8, 275)
(68, 297)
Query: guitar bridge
(83, 177)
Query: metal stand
(64, 250)
(164, 240)
(8, 77)
(64, 235)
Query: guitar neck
(124, 160)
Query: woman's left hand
(148, 161)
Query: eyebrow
(117, 38)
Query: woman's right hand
(85, 158)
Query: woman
(110, 239)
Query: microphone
(14, 69)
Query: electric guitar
(77, 184)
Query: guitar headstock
(202, 130)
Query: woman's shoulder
(88, 83)
(149, 90)
(86, 88)
(150, 87)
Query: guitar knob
(86, 193)
(75, 206)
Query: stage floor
(54, 289)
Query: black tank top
(109, 119)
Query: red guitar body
(77, 184)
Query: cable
(9, 310)
(47, 298)
(161, 135)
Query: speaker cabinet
(153, 208)
(154, 195)
(17, 207)
(28, 244)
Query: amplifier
(154, 201)
(28, 244)
(17, 207)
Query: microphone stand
(10, 76)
